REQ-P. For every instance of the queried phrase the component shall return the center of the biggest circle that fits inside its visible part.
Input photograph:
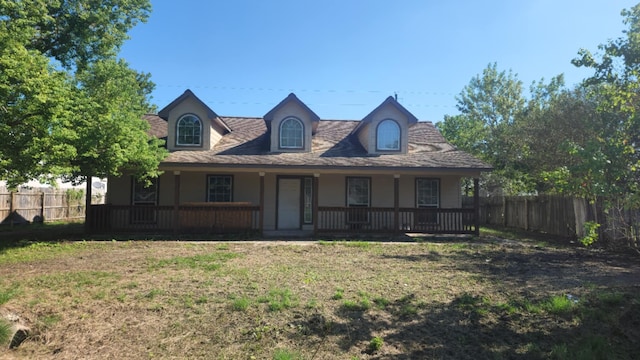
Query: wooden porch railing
(372, 219)
(190, 218)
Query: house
(292, 171)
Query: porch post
(476, 205)
(261, 215)
(314, 211)
(176, 201)
(396, 203)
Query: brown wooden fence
(39, 206)
(549, 214)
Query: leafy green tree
(489, 105)
(609, 164)
(68, 105)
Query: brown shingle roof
(157, 126)
(332, 146)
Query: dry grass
(320, 300)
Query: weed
(312, 304)
(5, 332)
(280, 299)
(207, 262)
(284, 354)
(241, 304)
(8, 294)
(611, 298)
(357, 244)
(381, 302)
(49, 320)
(376, 344)
(338, 295)
(559, 305)
(151, 294)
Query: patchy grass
(481, 298)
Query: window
(291, 133)
(220, 188)
(358, 196)
(388, 136)
(308, 201)
(427, 196)
(189, 131)
(143, 199)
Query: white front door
(289, 204)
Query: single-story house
(290, 171)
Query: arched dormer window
(189, 131)
(388, 136)
(291, 133)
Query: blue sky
(344, 57)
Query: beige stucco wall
(367, 134)
(332, 190)
(211, 134)
(291, 109)
(246, 188)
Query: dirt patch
(452, 299)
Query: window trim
(436, 218)
(354, 218)
(140, 215)
(378, 135)
(302, 132)
(208, 193)
(438, 181)
(200, 137)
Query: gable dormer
(191, 124)
(291, 125)
(386, 129)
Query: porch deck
(246, 218)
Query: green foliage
(68, 107)
(339, 294)
(559, 305)
(7, 294)
(280, 299)
(5, 332)
(240, 304)
(284, 354)
(590, 233)
(376, 344)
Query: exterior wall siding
(294, 110)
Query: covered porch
(360, 201)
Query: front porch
(246, 219)
(277, 202)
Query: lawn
(486, 298)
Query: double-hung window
(358, 197)
(219, 188)
(427, 196)
(144, 198)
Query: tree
(68, 105)
(609, 164)
(489, 105)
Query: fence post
(12, 206)
(42, 197)
(476, 205)
(526, 214)
(504, 211)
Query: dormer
(290, 125)
(386, 129)
(192, 125)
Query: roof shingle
(332, 146)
